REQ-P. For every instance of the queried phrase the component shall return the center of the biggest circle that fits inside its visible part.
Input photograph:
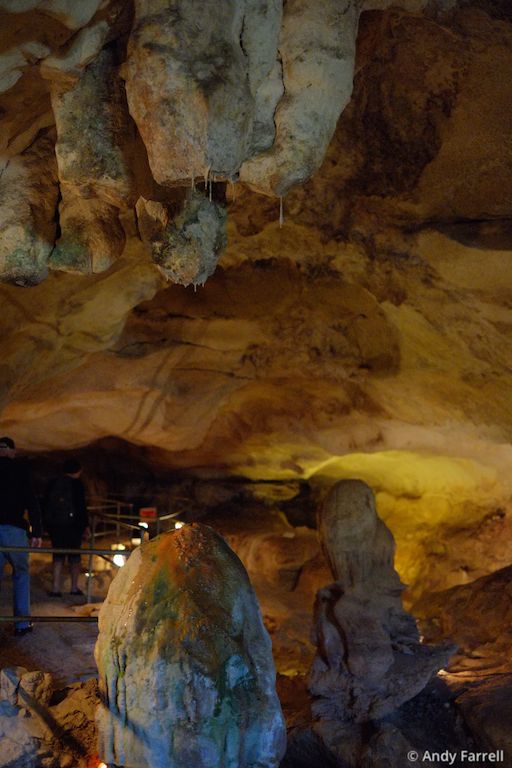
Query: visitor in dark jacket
(17, 500)
(67, 522)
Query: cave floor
(64, 649)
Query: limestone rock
(195, 82)
(317, 50)
(92, 235)
(181, 626)
(91, 123)
(28, 201)
(10, 678)
(94, 173)
(14, 61)
(71, 13)
(260, 40)
(487, 709)
(477, 616)
(33, 732)
(369, 658)
(35, 688)
(187, 248)
(85, 46)
(351, 745)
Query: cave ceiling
(367, 333)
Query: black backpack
(59, 507)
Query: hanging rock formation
(370, 659)
(95, 178)
(186, 248)
(317, 49)
(181, 628)
(252, 91)
(28, 197)
(197, 84)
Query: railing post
(118, 526)
(89, 568)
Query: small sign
(148, 512)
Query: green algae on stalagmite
(185, 663)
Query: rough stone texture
(248, 89)
(188, 247)
(196, 84)
(74, 15)
(85, 46)
(369, 658)
(59, 345)
(317, 48)
(487, 709)
(478, 616)
(28, 201)
(35, 732)
(181, 626)
(94, 174)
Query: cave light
(178, 524)
(119, 560)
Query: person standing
(17, 498)
(67, 522)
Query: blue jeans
(12, 536)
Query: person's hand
(35, 542)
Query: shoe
(76, 592)
(54, 594)
(20, 631)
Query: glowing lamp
(178, 524)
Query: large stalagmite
(185, 663)
(370, 659)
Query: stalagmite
(185, 663)
(369, 658)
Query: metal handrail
(102, 509)
(69, 619)
(59, 551)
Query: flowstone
(185, 663)
(370, 659)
